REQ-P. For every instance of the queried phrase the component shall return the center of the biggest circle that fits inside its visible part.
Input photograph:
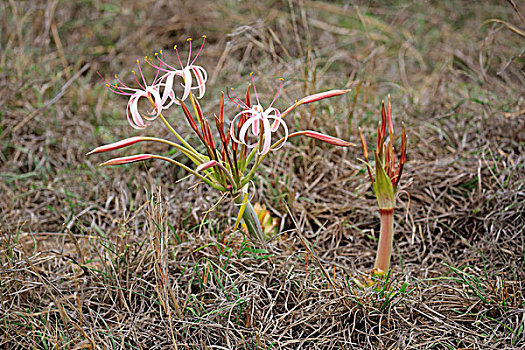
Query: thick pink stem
(386, 238)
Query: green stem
(181, 139)
(195, 158)
(386, 238)
(251, 174)
(251, 220)
(203, 178)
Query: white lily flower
(186, 73)
(151, 92)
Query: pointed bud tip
(328, 139)
(206, 165)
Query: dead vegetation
(103, 258)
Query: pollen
(281, 79)
(161, 52)
(137, 61)
(231, 89)
(189, 39)
(174, 47)
(146, 58)
(204, 36)
(251, 73)
(133, 72)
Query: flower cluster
(163, 81)
(229, 161)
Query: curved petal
(256, 125)
(257, 112)
(279, 121)
(157, 101)
(130, 121)
(133, 109)
(276, 115)
(232, 126)
(168, 88)
(244, 129)
(267, 136)
(187, 83)
(201, 76)
(204, 74)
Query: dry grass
(103, 258)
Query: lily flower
(258, 119)
(185, 72)
(151, 92)
(256, 116)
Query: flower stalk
(386, 239)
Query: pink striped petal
(267, 136)
(276, 115)
(187, 83)
(256, 126)
(279, 121)
(201, 76)
(244, 130)
(136, 119)
(153, 92)
(117, 145)
(128, 159)
(168, 89)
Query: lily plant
(385, 182)
(232, 155)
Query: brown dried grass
(102, 258)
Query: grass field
(136, 257)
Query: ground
(137, 257)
